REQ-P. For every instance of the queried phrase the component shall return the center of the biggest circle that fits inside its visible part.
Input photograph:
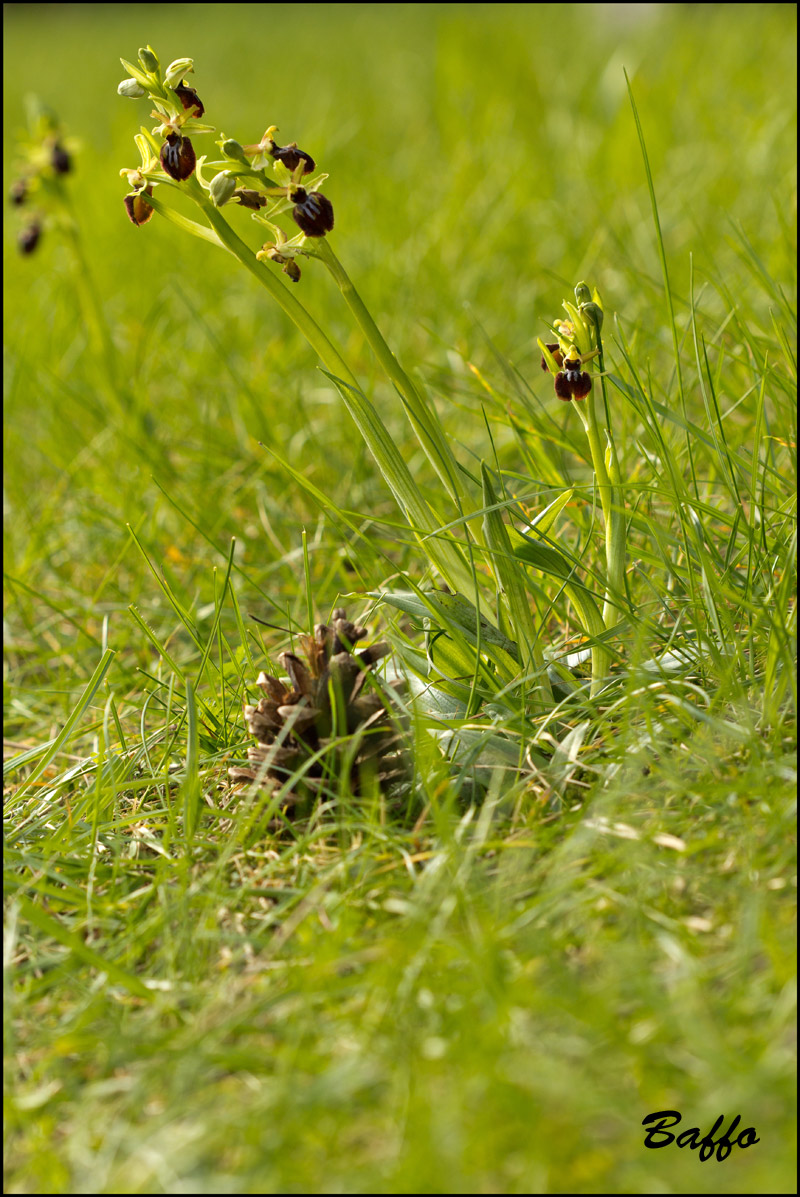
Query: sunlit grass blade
(665, 271)
(511, 583)
(443, 553)
(69, 728)
(191, 787)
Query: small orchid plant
(38, 190)
(273, 180)
(580, 344)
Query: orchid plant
(274, 180)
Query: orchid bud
(149, 60)
(222, 188)
(232, 149)
(582, 293)
(131, 89)
(593, 313)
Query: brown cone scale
(327, 710)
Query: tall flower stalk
(571, 360)
(41, 195)
(425, 426)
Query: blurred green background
(482, 160)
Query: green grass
(488, 989)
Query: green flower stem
(316, 338)
(593, 625)
(426, 427)
(445, 556)
(424, 422)
(615, 563)
(609, 487)
(616, 529)
(589, 417)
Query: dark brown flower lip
(313, 212)
(178, 157)
(572, 384)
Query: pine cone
(295, 719)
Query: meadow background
(493, 1001)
